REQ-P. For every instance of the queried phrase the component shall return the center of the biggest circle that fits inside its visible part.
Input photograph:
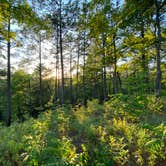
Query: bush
(120, 132)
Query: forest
(82, 82)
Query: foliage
(102, 61)
(93, 135)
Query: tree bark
(30, 98)
(144, 58)
(8, 120)
(78, 59)
(158, 48)
(57, 66)
(104, 72)
(40, 75)
(83, 76)
(115, 86)
(84, 53)
(61, 54)
(71, 79)
(120, 81)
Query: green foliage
(119, 132)
(20, 91)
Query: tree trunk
(61, 54)
(71, 81)
(40, 75)
(104, 73)
(8, 120)
(30, 99)
(115, 88)
(83, 76)
(57, 66)
(144, 59)
(120, 81)
(158, 48)
(84, 52)
(78, 59)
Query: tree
(83, 29)
(159, 5)
(20, 90)
(10, 13)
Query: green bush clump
(120, 132)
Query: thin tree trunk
(104, 73)
(84, 53)
(158, 48)
(78, 58)
(30, 99)
(61, 55)
(83, 76)
(57, 65)
(40, 75)
(71, 81)
(144, 59)
(115, 88)
(8, 120)
(57, 80)
(120, 81)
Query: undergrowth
(125, 130)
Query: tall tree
(11, 12)
(61, 52)
(8, 120)
(159, 5)
(84, 46)
(40, 71)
